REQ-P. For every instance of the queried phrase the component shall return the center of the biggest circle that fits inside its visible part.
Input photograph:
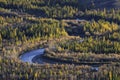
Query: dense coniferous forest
(81, 39)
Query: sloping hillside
(90, 4)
